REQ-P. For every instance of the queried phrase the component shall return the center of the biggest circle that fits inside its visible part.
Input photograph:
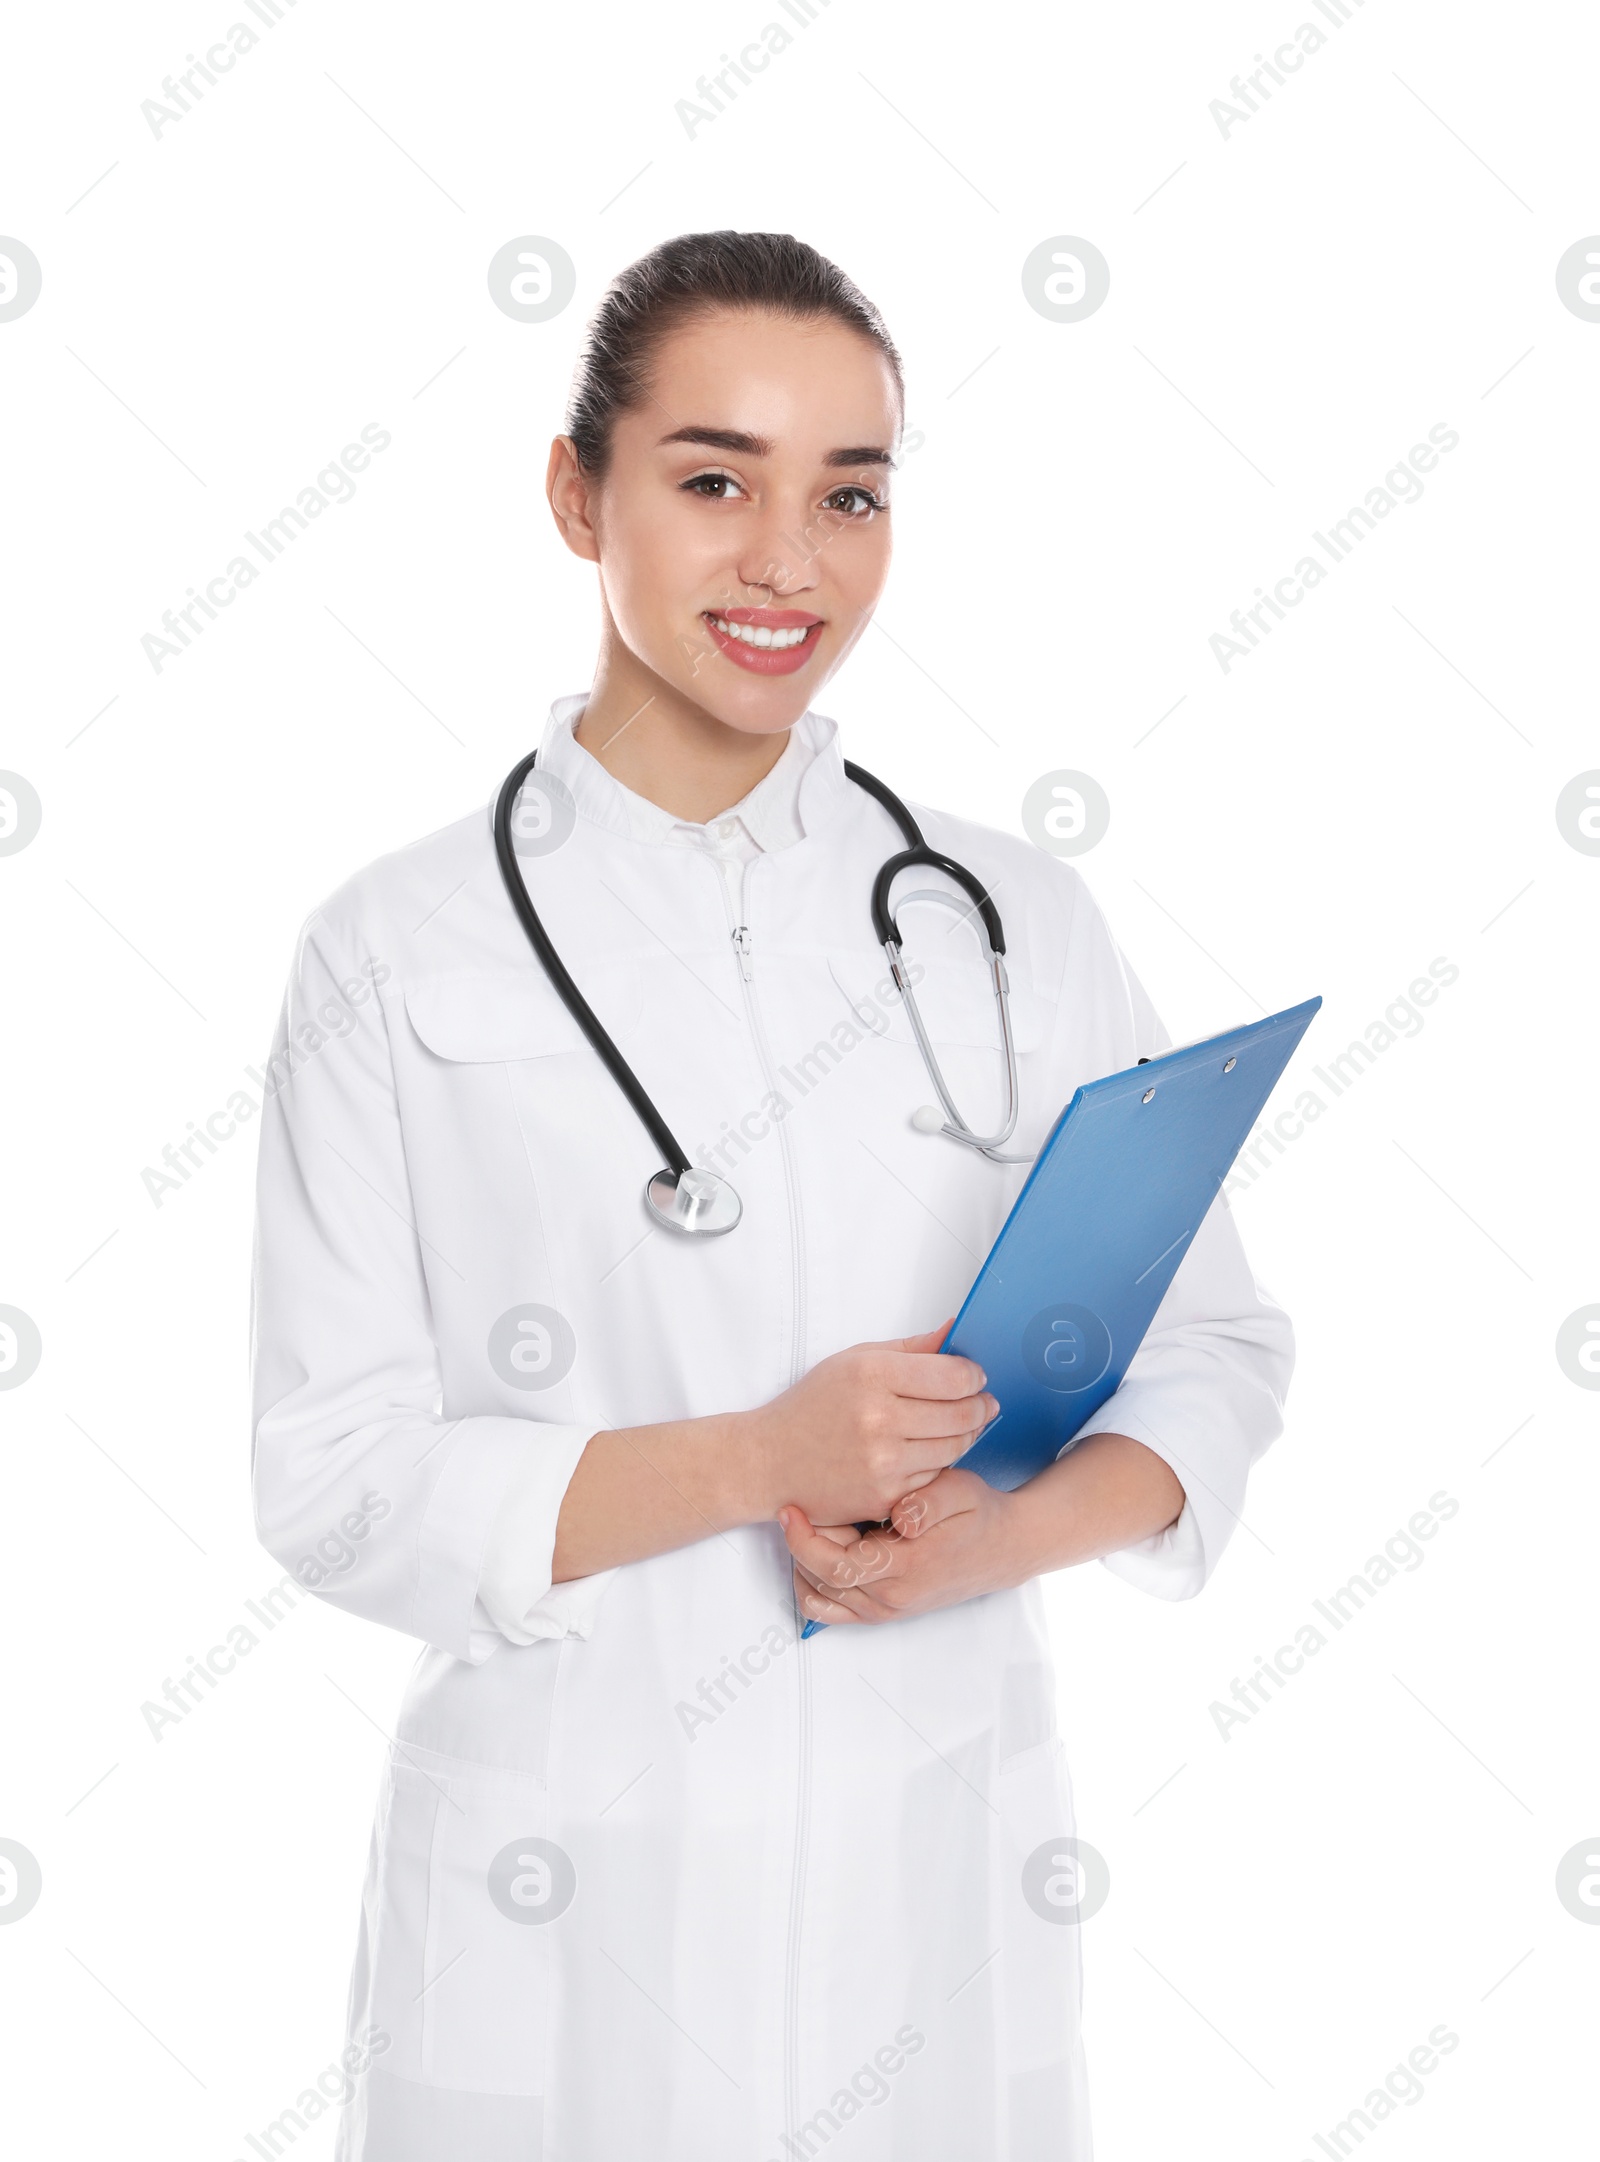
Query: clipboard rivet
(1145, 1098)
(1229, 1065)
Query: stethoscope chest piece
(693, 1200)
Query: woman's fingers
(837, 1570)
(920, 1508)
(824, 1602)
(839, 1534)
(936, 1374)
(926, 1459)
(930, 1340)
(921, 1420)
(834, 1602)
(815, 1607)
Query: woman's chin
(755, 705)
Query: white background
(1292, 1908)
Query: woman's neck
(663, 746)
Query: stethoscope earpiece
(928, 1119)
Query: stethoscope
(685, 1196)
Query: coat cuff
(516, 1600)
(1175, 1563)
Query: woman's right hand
(867, 1426)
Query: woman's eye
(854, 502)
(714, 487)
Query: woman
(648, 1874)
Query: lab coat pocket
(499, 1066)
(499, 1015)
(471, 1893)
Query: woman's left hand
(950, 1540)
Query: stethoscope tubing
(573, 999)
(884, 924)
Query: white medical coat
(647, 1875)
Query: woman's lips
(765, 660)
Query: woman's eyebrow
(759, 446)
(745, 446)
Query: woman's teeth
(758, 634)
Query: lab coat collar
(802, 793)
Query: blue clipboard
(1097, 1233)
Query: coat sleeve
(515, 1589)
(363, 1488)
(1206, 1389)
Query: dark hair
(690, 276)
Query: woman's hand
(862, 1429)
(950, 1540)
(868, 1427)
(956, 1537)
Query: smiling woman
(616, 1454)
(734, 417)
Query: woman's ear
(569, 497)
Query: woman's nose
(778, 565)
(781, 547)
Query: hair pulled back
(699, 274)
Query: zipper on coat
(744, 946)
